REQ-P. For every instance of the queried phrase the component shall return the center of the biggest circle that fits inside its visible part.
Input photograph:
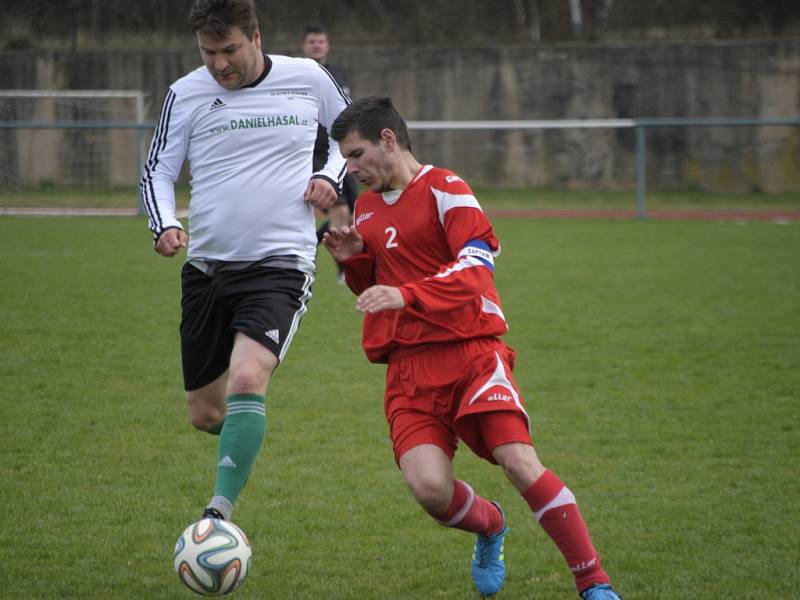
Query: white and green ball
(212, 557)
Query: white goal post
(57, 143)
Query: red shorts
(438, 395)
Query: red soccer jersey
(433, 241)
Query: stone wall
(723, 79)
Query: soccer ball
(212, 557)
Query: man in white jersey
(247, 122)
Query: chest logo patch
(363, 217)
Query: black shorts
(264, 303)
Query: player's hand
(171, 241)
(380, 297)
(320, 193)
(343, 242)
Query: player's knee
(206, 420)
(432, 493)
(206, 410)
(250, 378)
(519, 463)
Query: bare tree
(527, 14)
(576, 16)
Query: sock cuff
(463, 498)
(246, 403)
(543, 490)
(236, 398)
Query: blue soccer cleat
(600, 591)
(488, 562)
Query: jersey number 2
(390, 243)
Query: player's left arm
(458, 283)
(473, 243)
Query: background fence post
(641, 171)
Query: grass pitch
(503, 199)
(660, 362)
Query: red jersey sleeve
(359, 272)
(471, 240)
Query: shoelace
(483, 550)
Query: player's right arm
(347, 248)
(164, 161)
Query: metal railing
(640, 127)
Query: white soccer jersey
(250, 155)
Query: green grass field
(660, 362)
(522, 198)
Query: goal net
(70, 142)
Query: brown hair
(217, 17)
(369, 116)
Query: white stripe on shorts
(298, 314)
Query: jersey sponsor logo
(270, 121)
(363, 217)
(499, 397)
(289, 93)
(216, 104)
(259, 123)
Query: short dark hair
(217, 17)
(313, 28)
(369, 116)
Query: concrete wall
(726, 79)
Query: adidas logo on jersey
(274, 335)
(216, 104)
(227, 462)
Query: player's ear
(389, 138)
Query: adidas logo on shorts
(274, 335)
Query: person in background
(421, 258)
(316, 45)
(247, 122)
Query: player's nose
(220, 64)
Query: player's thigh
(491, 411)
(268, 304)
(206, 338)
(251, 365)
(416, 407)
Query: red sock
(470, 512)
(558, 514)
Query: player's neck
(407, 170)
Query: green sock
(216, 429)
(239, 443)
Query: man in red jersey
(420, 257)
